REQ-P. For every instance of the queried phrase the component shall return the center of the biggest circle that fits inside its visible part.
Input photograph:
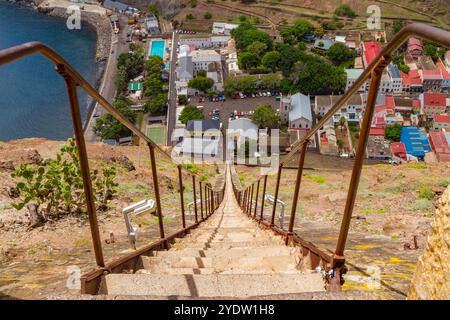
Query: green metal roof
(135, 86)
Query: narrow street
(172, 99)
(108, 88)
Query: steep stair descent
(228, 256)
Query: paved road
(108, 88)
(172, 107)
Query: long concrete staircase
(228, 256)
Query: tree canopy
(157, 105)
(154, 64)
(107, 127)
(202, 84)
(340, 53)
(345, 10)
(265, 117)
(393, 132)
(297, 31)
(271, 60)
(190, 112)
(248, 60)
(315, 76)
(246, 34)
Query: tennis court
(156, 133)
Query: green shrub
(57, 187)
(317, 179)
(421, 205)
(425, 192)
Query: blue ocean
(33, 101)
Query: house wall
(300, 123)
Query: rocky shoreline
(101, 25)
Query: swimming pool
(157, 48)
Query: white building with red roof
(445, 85)
(414, 48)
(431, 79)
(441, 121)
(439, 141)
(433, 103)
(371, 50)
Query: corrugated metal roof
(353, 73)
(300, 107)
(415, 140)
(202, 125)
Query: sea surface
(33, 100)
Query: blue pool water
(157, 48)
(33, 100)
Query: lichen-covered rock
(124, 162)
(432, 277)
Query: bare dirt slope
(34, 262)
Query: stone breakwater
(100, 23)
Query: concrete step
(224, 263)
(210, 285)
(169, 270)
(228, 245)
(232, 253)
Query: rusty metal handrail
(73, 79)
(336, 263)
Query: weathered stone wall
(432, 277)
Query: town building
(352, 111)
(222, 28)
(431, 79)
(371, 49)
(433, 103)
(220, 41)
(115, 5)
(232, 63)
(398, 150)
(196, 42)
(202, 141)
(239, 131)
(215, 72)
(415, 141)
(441, 122)
(445, 84)
(295, 110)
(185, 68)
(152, 24)
(378, 147)
(203, 58)
(190, 62)
(352, 76)
(396, 85)
(412, 82)
(327, 139)
(403, 105)
(440, 143)
(414, 48)
(323, 44)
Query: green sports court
(156, 133)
